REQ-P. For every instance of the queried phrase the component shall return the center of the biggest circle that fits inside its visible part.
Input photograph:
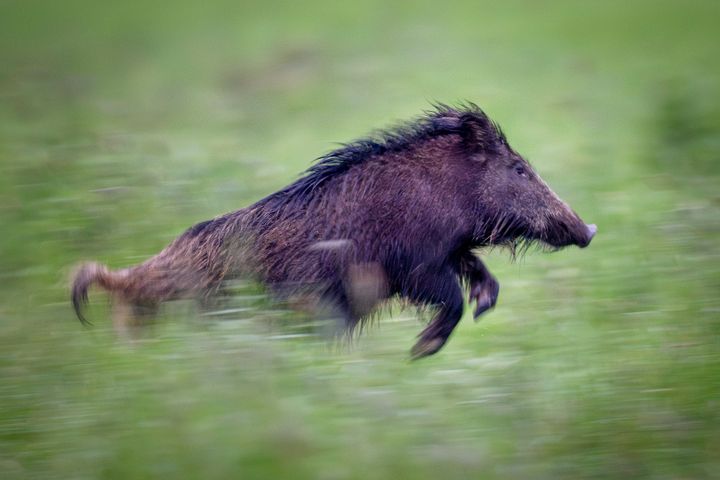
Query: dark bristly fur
(394, 215)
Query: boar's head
(511, 203)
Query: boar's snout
(568, 230)
(591, 230)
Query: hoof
(485, 294)
(426, 347)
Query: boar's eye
(520, 170)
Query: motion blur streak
(122, 123)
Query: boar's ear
(477, 132)
(475, 129)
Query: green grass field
(121, 125)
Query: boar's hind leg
(129, 318)
(484, 288)
(442, 291)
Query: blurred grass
(122, 124)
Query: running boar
(396, 215)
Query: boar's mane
(467, 120)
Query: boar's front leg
(484, 288)
(441, 290)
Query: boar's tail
(85, 276)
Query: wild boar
(396, 215)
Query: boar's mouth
(510, 231)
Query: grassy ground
(121, 125)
